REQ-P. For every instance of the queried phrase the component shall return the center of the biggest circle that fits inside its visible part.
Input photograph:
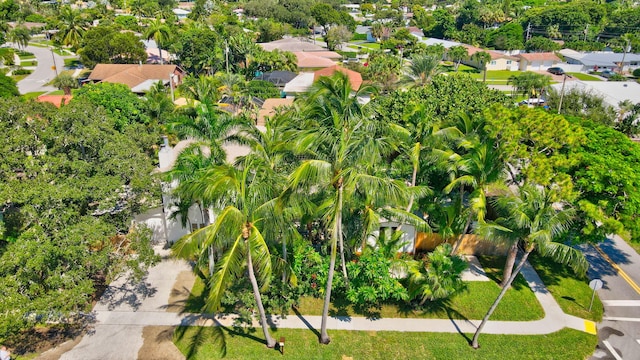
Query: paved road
(43, 73)
(619, 332)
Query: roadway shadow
(127, 293)
(615, 254)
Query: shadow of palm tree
(306, 323)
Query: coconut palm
(421, 69)
(532, 217)
(482, 58)
(20, 36)
(457, 54)
(246, 198)
(159, 32)
(377, 30)
(65, 82)
(73, 27)
(199, 88)
(338, 137)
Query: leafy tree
(65, 82)
(159, 32)
(66, 224)
(532, 217)
(604, 169)
(337, 35)
(383, 71)
(372, 282)
(8, 87)
(444, 24)
(541, 44)
(270, 30)
(123, 106)
(107, 45)
(508, 37)
(377, 30)
(198, 50)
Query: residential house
(270, 107)
(354, 77)
(613, 92)
(602, 60)
(499, 61)
(537, 61)
(138, 77)
(309, 55)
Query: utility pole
(564, 80)
(226, 54)
(54, 62)
(586, 31)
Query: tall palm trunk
(414, 174)
(456, 245)
(339, 230)
(161, 59)
(256, 294)
(508, 265)
(324, 337)
(284, 257)
(493, 307)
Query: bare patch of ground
(180, 292)
(158, 344)
(56, 352)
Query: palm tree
(377, 30)
(20, 36)
(73, 27)
(457, 54)
(159, 32)
(65, 82)
(532, 218)
(482, 58)
(530, 83)
(200, 88)
(247, 201)
(421, 69)
(337, 136)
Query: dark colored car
(607, 73)
(556, 70)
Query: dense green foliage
(71, 183)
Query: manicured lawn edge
(566, 344)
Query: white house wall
(408, 237)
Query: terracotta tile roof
(269, 108)
(310, 60)
(354, 77)
(132, 74)
(55, 99)
(543, 56)
(494, 54)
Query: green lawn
(26, 56)
(32, 95)
(566, 344)
(572, 294)
(585, 77)
(19, 77)
(373, 46)
(28, 63)
(72, 62)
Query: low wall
(470, 245)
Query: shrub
(262, 89)
(636, 73)
(22, 72)
(359, 37)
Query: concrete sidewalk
(125, 309)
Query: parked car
(607, 73)
(556, 70)
(532, 102)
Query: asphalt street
(44, 72)
(618, 266)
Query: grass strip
(566, 344)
